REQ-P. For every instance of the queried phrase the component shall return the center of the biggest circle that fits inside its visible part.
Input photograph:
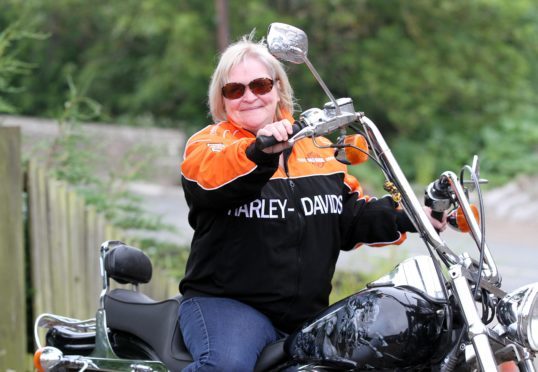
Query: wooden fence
(64, 238)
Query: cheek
(229, 106)
(272, 100)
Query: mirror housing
(287, 43)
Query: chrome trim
(417, 272)
(492, 275)
(515, 313)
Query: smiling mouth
(252, 108)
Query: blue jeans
(223, 334)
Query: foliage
(138, 58)
(511, 149)
(433, 75)
(167, 255)
(72, 160)
(346, 283)
(10, 65)
(437, 76)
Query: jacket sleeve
(371, 221)
(220, 171)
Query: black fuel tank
(377, 328)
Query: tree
(10, 66)
(433, 74)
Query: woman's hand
(440, 226)
(280, 130)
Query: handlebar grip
(263, 142)
(437, 215)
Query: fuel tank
(377, 328)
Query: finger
(284, 130)
(288, 126)
(438, 225)
(280, 130)
(270, 130)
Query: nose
(249, 95)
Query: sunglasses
(258, 86)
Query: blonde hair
(234, 55)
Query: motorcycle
(439, 312)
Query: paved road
(514, 250)
(511, 224)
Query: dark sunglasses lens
(257, 86)
(261, 86)
(233, 90)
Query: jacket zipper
(300, 218)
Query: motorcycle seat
(157, 324)
(154, 322)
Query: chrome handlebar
(316, 122)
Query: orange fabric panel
(353, 184)
(403, 237)
(216, 155)
(309, 160)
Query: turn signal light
(46, 358)
(354, 155)
(457, 220)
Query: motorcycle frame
(289, 43)
(103, 356)
(462, 269)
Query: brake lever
(303, 133)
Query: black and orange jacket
(270, 236)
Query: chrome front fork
(477, 331)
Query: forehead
(248, 69)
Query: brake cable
(482, 225)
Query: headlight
(518, 312)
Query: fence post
(13, 308)
(38, 227)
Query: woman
(268, 224)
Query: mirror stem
(320, 81)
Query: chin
(254, 126)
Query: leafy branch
(73, 159)
(10, 65)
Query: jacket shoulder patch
(216, 147)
